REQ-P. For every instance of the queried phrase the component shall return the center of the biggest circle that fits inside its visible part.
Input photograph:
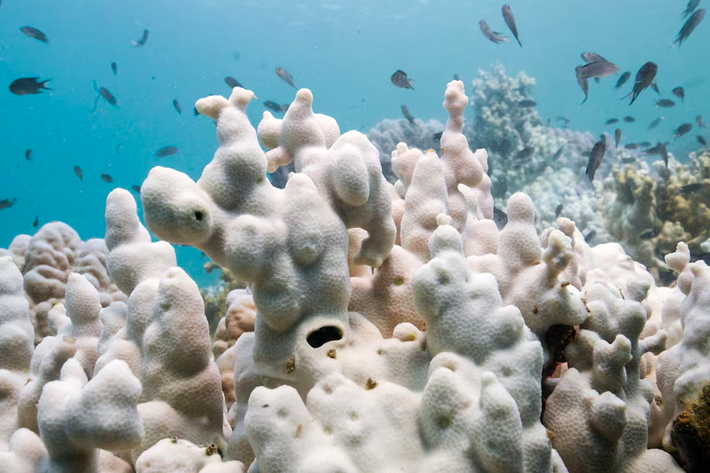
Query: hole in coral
(323, 335)
(265, 405)
(199, 216)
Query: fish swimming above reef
(617, 137)
(7, 203)
(679, 92)
(276, 107)
(28, 155)
(558, 210)
(583, 82)
(611, 121)
(629, 119)
(114, 68)
(28, 86)
(400, 80)
(689, 27)
(106, 94)
(35, 33)
(35, 224)
(136, 188)
(691, 188)
(285, 76)
(665, 103)
(491, 35)
(407, 114)
(527, 103)
(525, 153)
(701, 140)
(622, 80)
(106, 177)
(644, 78)
(682, 130)
(558, 153)
(510, 21)
(177, 106)
(143, 40)
(700, 122)
(632, 146)
(79, 173)
(595, 159)
(167, 151)
(596, 69)
(690, 8)
(232, 82)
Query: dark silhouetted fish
(143, 40)
(665, 103)
(195, 111)
(28, 155)
(28, 86)
(644, 144)
(558, 153)
(106, 177)
(629, 160)
(106, 94)
(690, 8)
(79, 173)
(500, 218)
(136, 188)
(700, 122)
(679, 92)
(644, 78)
(558, 210)
(35, 224)
(632, 146)
(407, 114)
(35, 33)
(510, 21)
(232, 82)
(526, 103)
(595, 159)
(691, 188)
(583, 82)
(177, 106)
(617, 137)
(589, 237)
(490, 34)
(167, 151)
(701, 140)
(655, 123)
(285, 76)
(682, 130)
(276, 107)
(622, 80)
(629, 119)
(525, 153)
(611, 121)
(7, 203)
(663, 151)
(400, 79)
(114, 68)
(118, 148)
(689, 26)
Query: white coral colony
(395, 328)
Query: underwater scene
(299, 236)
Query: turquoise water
(345, 51)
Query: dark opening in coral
(198, 216)
(323, 335)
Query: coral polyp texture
(383, 327)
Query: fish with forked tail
(689, 27)
(400, 80)
(285, 76)
(644, 79)
(491, 35)
(510, 21)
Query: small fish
(500, 218)
(632, 146)
(654, 150)
(558, 210)
(143, 40)
(590, 236)
(285, 76)
(437, 136)
(400, 80)
(106, 177)
(114, 68)
(177, 106)
(136, 188)
(644, 144)
(691, 188)
(510, 21)
(665, 103)
(689, 27)
(629, 119)
(644, 78)
(232, 82)
(106, 94)
(617, 136)
(525, 153)
(682, 130)
(35, 33)
(700, 122)
(679, 92)
(628, 160)
(648, 234)
(595, 159)
(655, 123)
(407, 114)
(490, 34)
(276, 107)
(599, 69)
(35, 224)
(527, 103)
(663, 151)
(7, 203)
(79, 173)
(28, 155)
(611, 121)
(456, 77)
(583, 82)
(701, 140)
(28, 86)
(690, 8)
(167, 151)
(622, 80)
(558, 153)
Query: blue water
(345, 51)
